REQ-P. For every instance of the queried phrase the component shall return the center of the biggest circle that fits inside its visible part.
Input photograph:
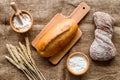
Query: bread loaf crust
(102, 48)
(57, 38)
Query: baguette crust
(57, 38)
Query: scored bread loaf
(102, 48)
(57, 38)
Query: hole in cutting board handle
(83, 7)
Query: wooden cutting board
(77, 15)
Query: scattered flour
(26, 20)
(77, 63)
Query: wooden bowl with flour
(78, 63)
(21, 21)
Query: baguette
(57, 38)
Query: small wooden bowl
(78, 73)
(13, 27)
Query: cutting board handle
(80, 12)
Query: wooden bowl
(17, 30)
(79, 54)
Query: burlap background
(43, 11)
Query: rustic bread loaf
(102, 48)
(57, 38)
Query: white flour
(77, 63)
(26, 20)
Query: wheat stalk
(22, 59)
